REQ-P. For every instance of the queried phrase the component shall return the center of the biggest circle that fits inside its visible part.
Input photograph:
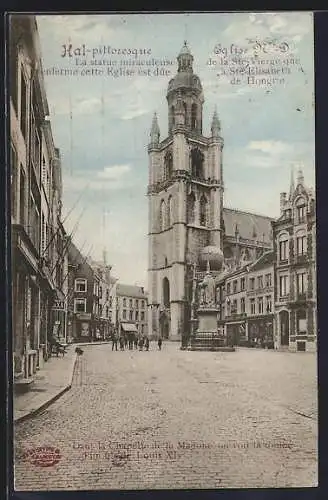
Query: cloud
(269, 147)
(114, 173)
(109, 179)
(288, 26)
(96, 29)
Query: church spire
(216, 126)
(292, 184)
(154, 131)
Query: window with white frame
(242, 305)
(284, 285)
(268, 280)
(301, 245)
(80, 285)
(301, 283)
(260, 305)
(252, 303)
(268, 304)
(283, 249)
(260, 281)
(80, 305)
(300, 213)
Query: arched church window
(193, 116)
(169, 212)
(203, 211)
(197, 163)
(168, 165)
(166, 292)
(191, 203)
(162, 216)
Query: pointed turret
(154, 131)
(292, 184)
(216, 126)
(300, 177)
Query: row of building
(57, 293)
(272, 301)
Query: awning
(129, 327)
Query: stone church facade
(188, 223)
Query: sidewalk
(51, 382)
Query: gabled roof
(250, 226)
(264, 261)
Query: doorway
(284, 327)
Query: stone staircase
(207, 341)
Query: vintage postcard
(164, 304)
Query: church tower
(185, 200)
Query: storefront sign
(59, 305)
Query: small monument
(206, 337)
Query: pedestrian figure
(125, 341)
(141, 343)
(114, 341)
(147, 344)
(160, 341)
(136, 342)
(122, 343)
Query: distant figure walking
(160, 341)
(122, 343)
(136, 342)
(114, 341)
(141, 343)
(147, 344)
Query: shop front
(260, 331)
(236, 333)
(82, 327)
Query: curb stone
(54, 398)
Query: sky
(101, 124)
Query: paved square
(178, 419)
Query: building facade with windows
(249, 303)
(84, 321)
(106, 288)
(38, 265)
(131, 304)
(295, 269)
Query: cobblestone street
(178, 419)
